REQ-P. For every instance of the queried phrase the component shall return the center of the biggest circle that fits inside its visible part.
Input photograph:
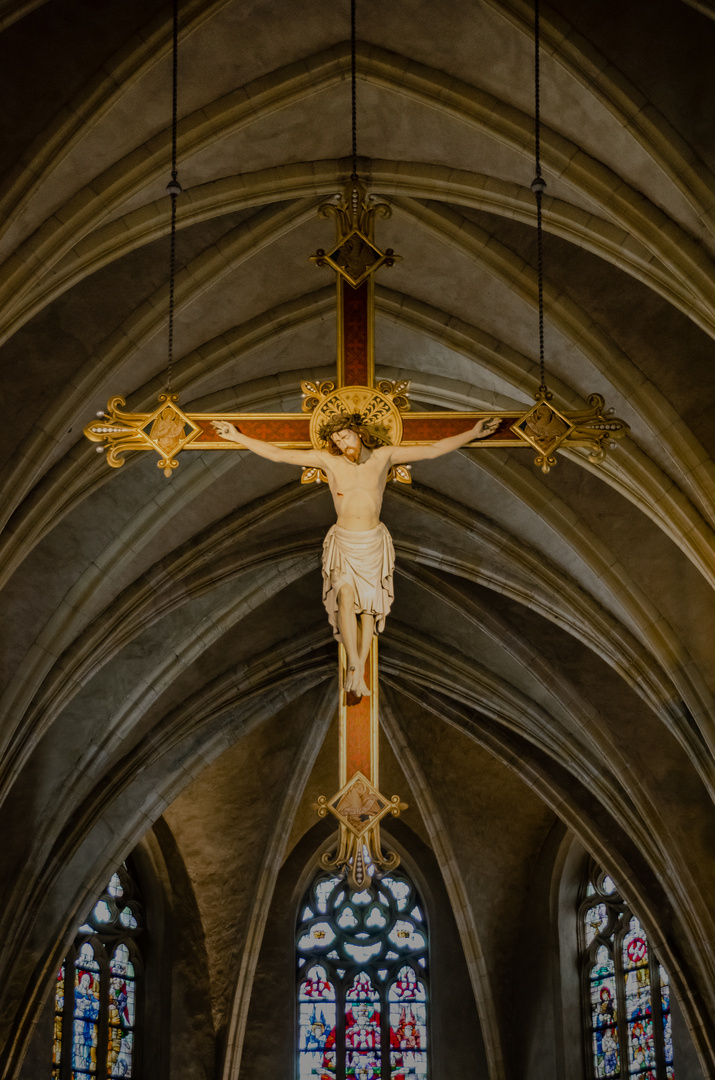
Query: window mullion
(340, 1029)
(657, 1017)
(385, 1071)
(103, 1026)
(68, 1016)
(621, 995)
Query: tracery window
(626, 990)
(96, 991)
(362, 962)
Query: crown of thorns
(372, 435)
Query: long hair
(371, 435)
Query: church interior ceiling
(166, 660)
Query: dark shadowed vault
(167, 672)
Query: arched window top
(374, 929)
(118, 911)
(626, 990)
(362, 959)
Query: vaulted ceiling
(549, 653)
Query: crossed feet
(355, 682)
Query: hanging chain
(538, 186)
(353, 83)
(173, 187)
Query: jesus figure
(358, 556)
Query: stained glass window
(96, 991)
(362, 961)
(626, 990)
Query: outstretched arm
(401, 455)
(266, 449)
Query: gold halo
(373, 406)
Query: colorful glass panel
(604, 1019)
(128, 919)
(316, 1026)
(404, 936)
(408, 1027)
(400, 890)
(115, 886)
(85, 1028)
(626, 989)
(122, 1002)
(364, 948)
(636, 973)
(102, 912)
(596, 921)
(59, 1010)
(667, 1022)
(98, 1004)
(362, 1030)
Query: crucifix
(355, 432)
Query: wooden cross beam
(358, 805)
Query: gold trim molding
(355, 255)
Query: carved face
(349, 442)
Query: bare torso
(358, 488)
(357, 478)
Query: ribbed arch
(320, 178)
(661, 643)
(691, 536)
(277, 849)
(589, 826)
(573, 710)
(199, 716)
(645, 618)
(145, 603)
(52, 240)
(652, 408)
(617, 94)
(32, 723)
(66, 131)
(70, 676)
(574, 53)
(564, 637)
(151, 776)
(283, 672)
(59, 497)
(418, 665)
(217, 695)
(25, 478)
(77, 466)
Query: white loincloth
(366, 562)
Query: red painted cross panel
(275, 429)
(355, 335)
(358, 752)
(418, 428)
(358, 756)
